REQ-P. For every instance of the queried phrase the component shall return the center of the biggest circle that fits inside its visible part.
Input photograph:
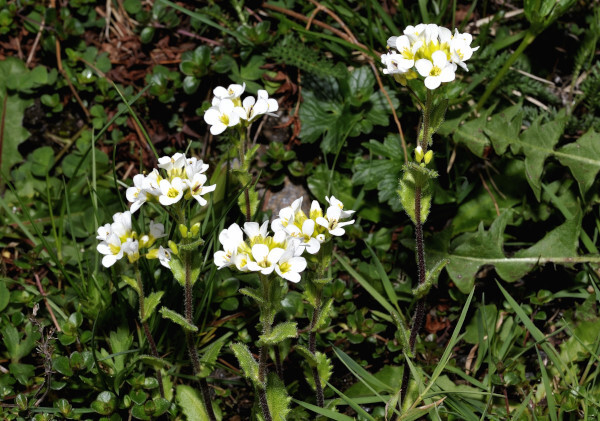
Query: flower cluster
(294, 233)
(119, 239)
(228, 109)
(185, 178)
(430, 51)
(316, 228)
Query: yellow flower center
(435, 71)
(172, 193)
(114, 249)
(224, 119)
(285, 267)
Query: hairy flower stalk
(429, 54)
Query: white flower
(305, 235)
(136, 194)
(103, 232)
(461, 51)
(265, 259)
(175, 162)
(256, 232)
(131, 248)
(251, 108)
(221, 116)
(415, 33)
(111, 249)
(437, 72)
(335, 202)
(197, 188)
(332, 221)
(121, 225)
(230, 238)
(286, 215)
(194, 166)
(272, 104)
(232, 92)
(395, 64)
(164, 256)
(289, 266)
(171, 191)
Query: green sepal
(415, 176)
(323, 314)
(150, 303)
(252, 293)
(132, 283)
(280, 333)
(436, 117)
(324, 367)
(402, 333)
(177, 318)
(310, 358)
(277, 398)
(209, 358)
(247, 362)
(431, 278)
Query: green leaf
(4, 295)
(177, 318)
(416, 176)
(42, 160)
(62, 365)
(470, 251)
(12, 111)
(280, 333)
(18, 348)
(191, 404)
(277, 398)
(537, 143)
(437, 115)
(471, 134)
(23, 373)
(132, 283)
(209, 358)
(247, 362)
(252, 293)
(330, 414)
(382, 170)
(150, 303)
(310, 358)
(323, 314)
(583, 159)
(504, 128)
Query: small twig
(41, 289)
(36, 41)
(485, 186)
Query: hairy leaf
(177, 318)
(209, 358)
(280, 333)
(247, 362)
(190, 402)
(150, 304)
(277, 398)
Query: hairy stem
(266, 317)
(312, 346)
(147, 333)
(189, 338)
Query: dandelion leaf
(468, 252)
(537, 143)
(471, 134)
(583, 159)
(504, 128)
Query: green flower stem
(417, 321)
(242, 151)
(528, 39)
(153, 350)
(266, 317)
(189, 316)
(312, 345)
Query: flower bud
(418, 154)
(195, 229)
(428, 156)
(173, 247)
(183, 230)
